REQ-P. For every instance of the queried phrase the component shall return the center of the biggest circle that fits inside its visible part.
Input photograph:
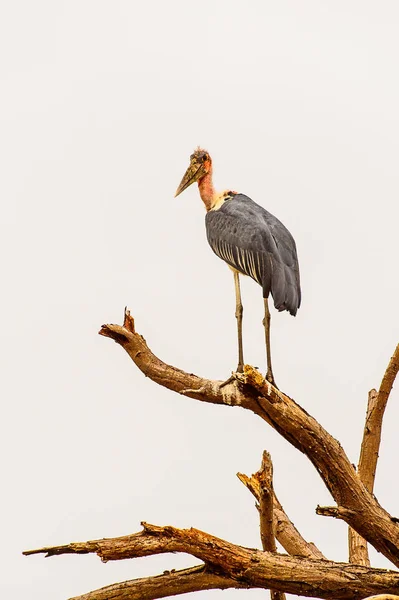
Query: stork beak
(193, 173)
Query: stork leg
(239, 311)
(266, 324)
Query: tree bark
(358, 552)
(356, 505)
(242, 567)
(170, 583)
(266, 511)
(305, 572)
(286, 532)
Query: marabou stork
(252, 242)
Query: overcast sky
(102, 104)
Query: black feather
(254, 242)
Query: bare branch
(285, 531)
(338, 512)
(290, 538)
(248, 567)
(327, 455)
(170, 377)
(170, 583)
(265, 478)
(372, 431)
(251, 391)
(266, 504)
(358, 552)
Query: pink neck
(206, 190)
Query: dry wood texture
(304, 571)
(170, 583)
(242, 566)
(266, 497)
(356, 505)
(377, 401)
(266, 512)
(285, 531)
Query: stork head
(200, 165)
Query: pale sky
(102, 104)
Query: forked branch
(227, 565)
(355, 504)
(285, 531)
(239, 566)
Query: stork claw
(235, 376)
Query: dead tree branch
(373, 427)
(330, 460)
(231, 566)
(356, 505)
(245, 566)
(170, 583)
(265, 478)
(168, 376)
(377, 401)
(266, 510)
(285, 531)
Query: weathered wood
(266, 511)
(285, 531)
(377, 401)
(244, 566)
(265, 478)
(358, 507)
(228, 565)
(170, 583)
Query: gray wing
(254, 242)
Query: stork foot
(233, 376)
(229, 380)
